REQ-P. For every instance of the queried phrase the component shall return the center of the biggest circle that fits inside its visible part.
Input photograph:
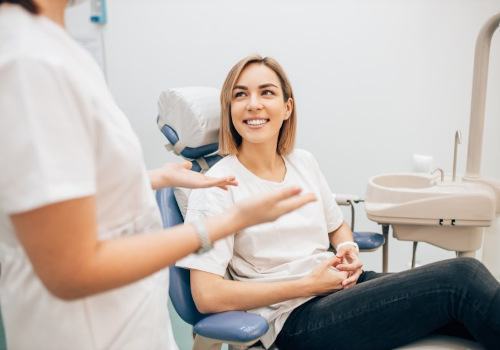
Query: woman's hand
(270, 207)
(181, 175)
(349, 262)
(324, 279)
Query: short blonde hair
(229, 139)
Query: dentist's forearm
(116, 263)
(62, 244)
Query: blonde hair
(229, 139)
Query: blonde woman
(284, 271)
(82, 252)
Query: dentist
(83, 256)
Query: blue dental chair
(232, 327)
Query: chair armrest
(232, 326)
(345, 198)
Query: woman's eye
(239, 94)
(267, 92)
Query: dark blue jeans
(383, 311)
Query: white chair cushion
(193, 112)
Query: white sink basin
(403, 181)
(422, 208)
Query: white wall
(375, 80)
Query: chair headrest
(189, 118)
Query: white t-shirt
(64, 137)
(286, 249)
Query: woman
(284, 271)
(83, 255)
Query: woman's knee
(464, 269)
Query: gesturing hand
(181, 175)
(350, 263)
(272, 206)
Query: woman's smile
(256, 123)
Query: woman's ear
(289, 108)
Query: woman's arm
(342, 234)
(213, 293)
(61, 242)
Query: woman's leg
(454, 329)
(396, 309)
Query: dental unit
(461, 215)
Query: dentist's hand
(181, 175)
(348, 261)
(324, 279)
(270, 207)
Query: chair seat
(368, 240)
(233, 326)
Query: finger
(350, 285)
(336, 261)
(231, 180)
(350, 267)
(355, 265)
(187, 165)
(341, 254)
(329, 262)
(296, 202)
(219, 182)
(284, 194)
(352, 279)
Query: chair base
(203, 343)
(434, 342)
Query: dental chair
(183, 116)
(233, 327)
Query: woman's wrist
(304, 286)
(347, 244)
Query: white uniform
(287, 249)
(64, 137)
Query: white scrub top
(64, 137)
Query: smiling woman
(284, 270)
(274, 92)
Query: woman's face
(257, 106)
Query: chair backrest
(189, 119)
(180, 286)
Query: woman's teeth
(256, 121)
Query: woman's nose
(254, 103)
